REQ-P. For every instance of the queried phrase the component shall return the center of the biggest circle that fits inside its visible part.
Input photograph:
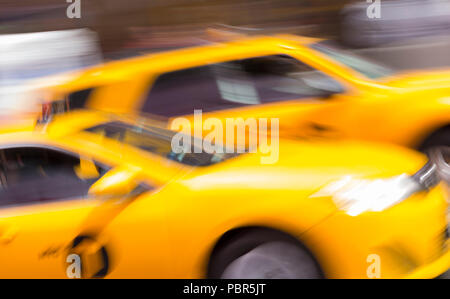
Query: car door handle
(8, 234)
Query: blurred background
(39, 38)
(124, 27)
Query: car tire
(440, 137)
(263, 255)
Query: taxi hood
(310, 165)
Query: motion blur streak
(353, 96)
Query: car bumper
(408, 241)
(433, 269)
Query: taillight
(50, 109)
(46, 113)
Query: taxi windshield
(367, 68)
(157, 141)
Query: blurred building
(120, 22)
(127, 28)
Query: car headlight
(355, 196)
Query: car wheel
(274, 260)
(261, 253)
(440, 137)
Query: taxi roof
(117, 70)
(77, 120)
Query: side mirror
(441, 158)
(117, 182)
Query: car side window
(79, 98)
(236, 83)
(181, 92)
(33, 175)
(74, 100)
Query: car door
(43, 209)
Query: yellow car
(90, 194)
(316, 89)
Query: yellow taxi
(90, 194)
(313, 87)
